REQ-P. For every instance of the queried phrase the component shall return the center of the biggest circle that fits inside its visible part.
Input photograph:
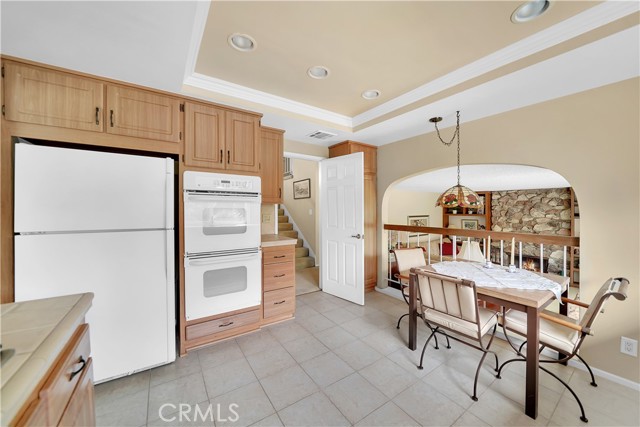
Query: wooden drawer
(277, 276)
(275, 254)
(56, 393)
(281, 302)
(222, 324)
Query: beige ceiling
(391, 46)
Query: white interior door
(342, 227)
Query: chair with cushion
(449, 306)
(564, 334)
(406, 259)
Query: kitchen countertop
(277, 240)
(38, 332)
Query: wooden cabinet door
(204, 136)
(143, 114)
(370, 244)
(242, 141)
(272, 151)
(44, 97)
(81, 409)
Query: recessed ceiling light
(529, 11)
(318, 72)
(242, 42)
(371, 94)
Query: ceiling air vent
(322, 134)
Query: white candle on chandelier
(513, 251)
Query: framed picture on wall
(469, 224)
(302, 189)
(418, 221)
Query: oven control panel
(221, 182)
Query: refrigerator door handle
(169, 194)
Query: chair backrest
(446, 294)
(616, 287)
(406, 259)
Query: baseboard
(392, 292)
(395, 293)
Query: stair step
(305, 262)
(302, 252)
(280, 212)
(289, 233)
(299, 243)
(285, 226)
(283, 218)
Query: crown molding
(586, 21)
(247, 94)
(197, 33)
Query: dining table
(530, 301)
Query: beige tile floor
(342, 364)
(307, 280)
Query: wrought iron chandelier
(458, 195)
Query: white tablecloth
(497, 277)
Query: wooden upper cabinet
(204, 136)
(45, 97)
(272, 149)
(242, 141)
(350, 147)
(143, 114)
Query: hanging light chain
(456, 134)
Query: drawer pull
(279, 302)
(224, 325)
(280, 256)
(74, 373)
(279, 275)
(98, 115)
(221, 156)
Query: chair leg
(583, 417)
(425, 346)
(593, 379)
(475, 381)
(506, 363)
(400, 319)
(521, 345)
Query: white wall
(303, 211)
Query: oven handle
(202, 198)
(219, 260)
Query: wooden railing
(398, 236)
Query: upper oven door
(220, 221)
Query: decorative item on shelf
(469, 224)
(454, 211)
(302, 189)
(458, 195)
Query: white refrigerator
(89, 221)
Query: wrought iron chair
(406, 259)
(450, 304)
(563, 334)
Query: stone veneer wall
(545, 211)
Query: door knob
(358, 236)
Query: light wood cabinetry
(221, 139)
(142, 114)
(484, 218)
(278, 283)
(218, 327)
(66, 398)
(204, 136)
(40, 96)
(370, 205)
(272, 146)
(242, 141)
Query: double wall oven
(222, 243)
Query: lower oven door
(222, 283)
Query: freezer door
(132, 319)
(60, 189)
